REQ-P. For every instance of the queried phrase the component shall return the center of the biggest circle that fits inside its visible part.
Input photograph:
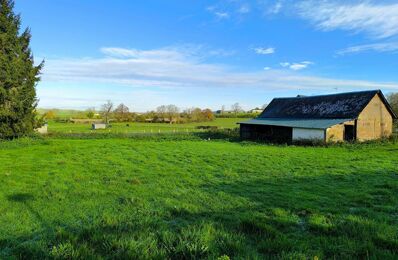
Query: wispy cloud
(275, 8)
(176, 53)
(378, 20)
(377, 47)
(285, 64)
(244, 9)
(297, 65)
(264, 50)
(219, 14)
(222, 15)
(177, 68)
(165, 53)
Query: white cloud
(222, 15)
(378, 20)
(285, 64)
(264, 51)
(244, 9)
(165, 53)
(276, 8)
(267, 68)
(172, 68)
(218, 13)
(136, 99)
(296, 66)
(377, 47)
(210, 8)
(172, 53)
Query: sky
(200, 53)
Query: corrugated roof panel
(297, 123)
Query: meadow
(135, 127)
(184, 196)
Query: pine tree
(18, 76)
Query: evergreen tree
(18, 76)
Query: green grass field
(129, 198)
(54, 127)
(61, 113)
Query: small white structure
(98, 126)
(308, 134)
(43, 129)
(256, 110)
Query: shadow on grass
(25, 199)
(20, 197)
(329, 216)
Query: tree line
(172, 114)
(121, 113)
(163, 114)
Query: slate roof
(335, 106)
(297, 123)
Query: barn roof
(335, 106)
(297, 123)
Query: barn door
(349, 133)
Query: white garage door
(308, 134)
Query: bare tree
(121, 112)
(393, 100)
(236, 108)
(161, 112)
(264, 106)
(173, 112)
(196, 114)
(222, 109)
(106, 110)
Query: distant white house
(97, 126)
(256, 110)
(43, 129)
(221, 112)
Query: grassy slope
(142, 127)
(126, 198)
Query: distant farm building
(98, 126)
(43, 129)
(362, 116)
(256, 110)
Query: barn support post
(355, 129)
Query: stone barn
(364, 115)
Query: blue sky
(209, 53)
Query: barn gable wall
(375, 121)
